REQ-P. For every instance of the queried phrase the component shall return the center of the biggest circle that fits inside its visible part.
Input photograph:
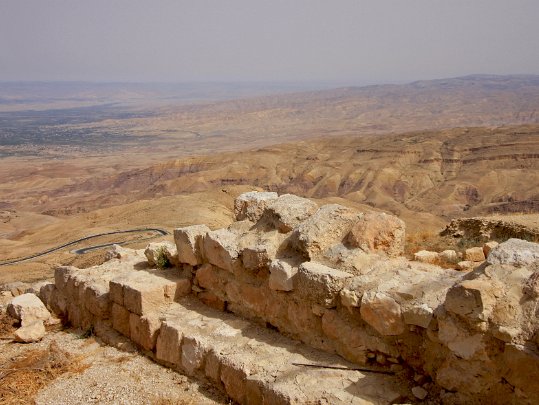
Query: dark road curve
(161, 232)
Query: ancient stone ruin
(295, 303)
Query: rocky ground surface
(96, 374)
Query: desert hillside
(434, 174)
(426, 151)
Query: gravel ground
(110, 376)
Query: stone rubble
(332, 282)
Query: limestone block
(425, 256)
(465, 265)
(212, 300)
(154, 249)
(288, 211)
(352, 341)
(189, 243)
(169, 343)
(378, 232)
(147, 292)
(473, 299)
(62, 275)
(79, 316)
(194, 351)
(458, 340)
(116, 289)
(75, 286)
(212, 367)
(449, 256)
(320, 284)
(474, 254)
(28, 308)
(516, 252)
(255, 258)
(234, 377)
(350, 299)
(251, 205)
(418, 314)
(281, 276)
(97, 301)
(120, 319)
(382, 312)
(145, 329)
(221, 249)
(521, 369)
(31, 332)
(45, 293)
(328, 226)
(58, 302)
(303, 321)
(488, 246)
(211, 278)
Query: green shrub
(161, 260)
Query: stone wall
(335, 279)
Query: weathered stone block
(189, 243)
(382, 312)
(96, 300)
(194, 351)
(488, 246)
(288, 211)
(378, 232)
(472, 299)
(145, 329)
(326, 227)
(211, 278)
(212, 300)
(424, 256)
(221, 249)
(474, 254)
(521, 369)
(147, 293)
(31, 332)
(251, 205)
(62, 275)
(45, 293)
(516, 252)
(281, 276)
(234, 377)
(212, 368)
(116, 289)
(320, 284)
(449, 256)
(120, 319)
(28, 308)
(168, 346)
(419, 315)
(465, 265)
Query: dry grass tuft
(21, 378)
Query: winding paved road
(159, 231)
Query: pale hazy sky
(273, 40)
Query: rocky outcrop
(485, 229)
(466, 336)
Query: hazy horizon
(347, 41)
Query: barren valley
(426, 151)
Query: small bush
(161, 259)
